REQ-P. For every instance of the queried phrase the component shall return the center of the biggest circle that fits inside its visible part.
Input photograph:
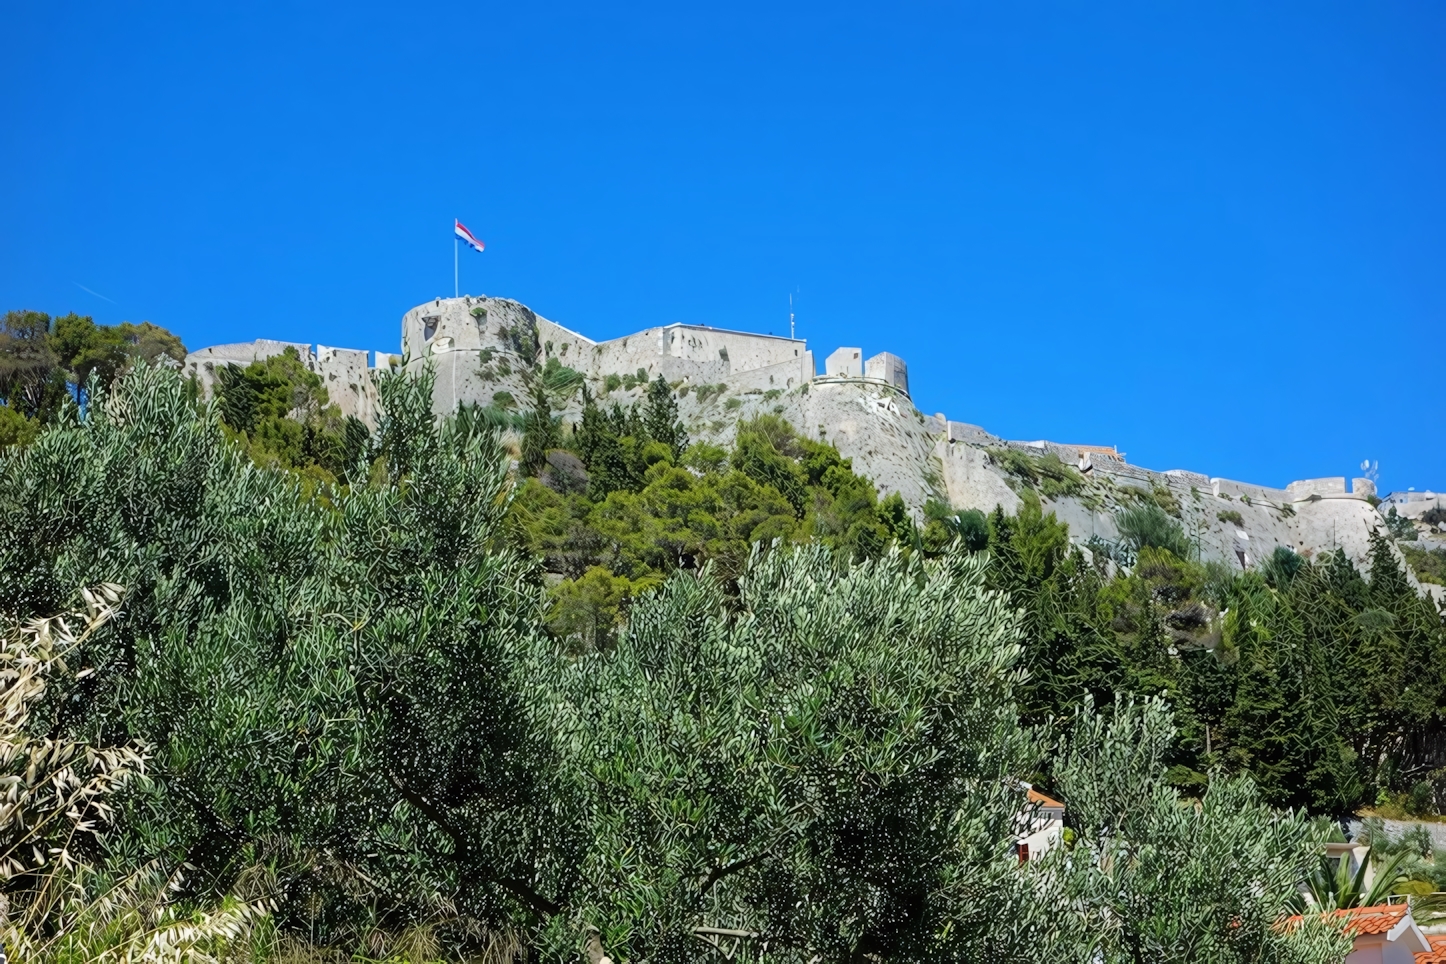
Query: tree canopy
(360, 694)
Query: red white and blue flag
(467, 237)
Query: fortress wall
(889, 368)
(744, 351)
(970, 482)
(622, 355)
(1305, 488)
(1236, 489)
(1187, 478)
(844, 363)
(568, 347)
(345, 374)
(1126, 474)
(700, 354)
(203, 361)
(672, 369)
(426, 325)
(964, 432)
(458, 381)
(785, 375)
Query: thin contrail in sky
(96, 293)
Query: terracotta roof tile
(1036, 797)
(1365, 920)
(1437, 953)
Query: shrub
(1399, 527)
(772, 393)
(1149, 526)
(613, 382)
(1046, 472)
(503, 400)
(1435, 515)
(559, 380)
(1281, 567)
(1429, 565)
(1422, 801)
(15, 428)
(733, 403)
(705, 457)
(1231, 516)
(705, 392)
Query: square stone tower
(845, 363)
(889, 368)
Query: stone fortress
(481, 348)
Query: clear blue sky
(1213, 234)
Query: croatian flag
(461, 231)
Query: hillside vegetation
(486, 686)
(338, 726)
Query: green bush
(1053, 478)
(1231, 516)
(559, 380)
(733, 403)
(1399, 527)
(1429, 565)
(1149, 526)
(503, 400)
(705, 392)
(613, 382)
(15, 428)
(1281, 567)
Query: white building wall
(346, 375)
(343, 371)
(845, 363)
(888, 368)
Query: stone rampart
(1256, 493)
(1304, 489)
(889, 369)
(343, 371)
(844, 363)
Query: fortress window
(429, 325)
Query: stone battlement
(479, 346)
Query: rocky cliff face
(486, 350)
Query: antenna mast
(790, 314)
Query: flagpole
(455, 286)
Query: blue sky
(1213, 234)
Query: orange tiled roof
(1036, 797)
(1365, 920)
(1437, 953)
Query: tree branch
(519, 889)
(718, 873)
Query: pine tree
(660, 418)
(591, 430)
(540, 433)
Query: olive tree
(355, 688)
(824, 760)
(1151, 877)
